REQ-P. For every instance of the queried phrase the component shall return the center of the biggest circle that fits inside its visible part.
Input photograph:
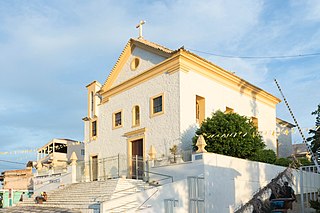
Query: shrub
(265, 156)
(230, 134)
(283, 162)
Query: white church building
(156, 97)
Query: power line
(258, 57)
(8, 161)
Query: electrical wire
(8, 161)
(258, 57)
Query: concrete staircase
(86, 197)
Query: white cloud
(50, 50)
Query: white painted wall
(229, 182)
(284, 141)
(147, 60)
(155, 199)
(218, 97)
(162, 131)
(75, 147)
(49, 183)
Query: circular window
(135, 63)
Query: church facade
(155, 98)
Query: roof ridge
(153, 44)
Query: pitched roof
(158, 48)
(168, 53)
(153, 45)
(285, 123)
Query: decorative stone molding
(152, 152)
(201, 143)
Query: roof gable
(122, 78)
(148, 55)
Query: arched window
(136, 116)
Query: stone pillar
(54, 164)
(39, 167)
(73, 164)
(152, 154)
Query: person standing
(22, 196)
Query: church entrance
(137, 169)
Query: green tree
(283, 162)
(265, 156)
(230, 134)
(315, 138)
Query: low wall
(229, 182)
(48, 183)
(152, 200)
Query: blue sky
(50, 50)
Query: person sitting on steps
(288, 192)
(43, 197)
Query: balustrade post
(73, 164)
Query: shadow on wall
(245, 85)
(270, 145)
(177, 191)
(186, 137)
(220, 188)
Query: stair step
(85, 196)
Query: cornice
(135, 132)
(185, 61)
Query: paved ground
(37, 209)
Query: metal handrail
(120, 206)
(167, 176)
(148, 199)
(123, 190)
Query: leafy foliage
(315, 205)
(265, 156)
(304, 161)
(315, 139)
(283, 162)
(230, 134)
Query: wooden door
(94, 164)
(137, 159)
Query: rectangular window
(156, 105)
(200, 109)
(82, 152)
(228, 110)
(92, 105)
(117, 119)
(255, 121)
(94, 128)
(60, 147)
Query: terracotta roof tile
(153, 45)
